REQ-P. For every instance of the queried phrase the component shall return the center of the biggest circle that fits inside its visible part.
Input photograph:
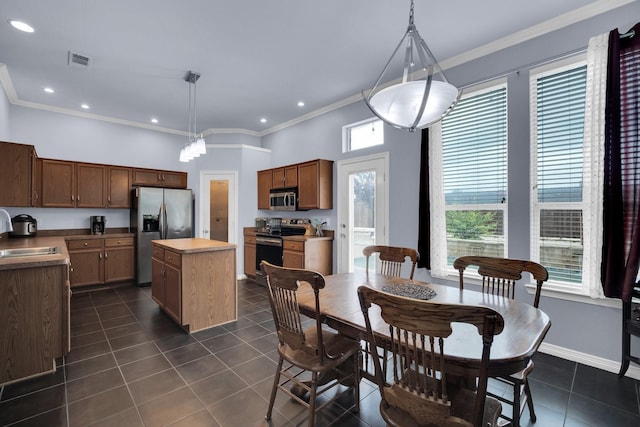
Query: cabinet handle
(73, 198)
(109, 199)
(159, 177)
(106, 255)
(100, 255)
(78, 197)
(86, 243)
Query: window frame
(346, 134)
(554, 287)
(440, 266)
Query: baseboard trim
(589, 360)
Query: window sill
(558, 292)
(549, 291)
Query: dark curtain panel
(424, 221)
(621, 216)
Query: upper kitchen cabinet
(285, 177)
(315, 185)
(92, 186)
(17, 168)
(58, 184)
(313, 179)
(70, 185)
(159, 178)
(119, 187)
(264, 185)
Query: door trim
(232, 177)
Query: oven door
(267, 249)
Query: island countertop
(194, 245)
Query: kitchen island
(194, 281)
(34, 306)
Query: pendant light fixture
(195, 145)
(424, 95)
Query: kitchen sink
(19, 252)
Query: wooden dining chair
(419, 393)
(331, 358)
(500, 277)
(392, 258)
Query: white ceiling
(257, 58)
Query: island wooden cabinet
(250, 253)
(34, 320)
(264, 186)
(194, 281)
(159, 178)
(310, 253)
(101, 260)
(17, 167)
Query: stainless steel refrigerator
(158, 213)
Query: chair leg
(312, 399)
(515, 417)
(274, 390)
(527, 392)
(356, 379)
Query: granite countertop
(194, 245)
(16, 262)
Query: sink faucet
(5, 224)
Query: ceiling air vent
(79, 60)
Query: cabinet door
(87, 267)
(173, 293)
(250, 257)
(118, 264)
(315, 185)
(157, 281)
(264, 186)
(16, 163)
(285, 177)
(58, 184)
(147, 177)
(119, 187)
(292, 259)
(174, 179)
(91, 184)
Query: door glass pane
(362, 217)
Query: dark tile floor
(132, 366)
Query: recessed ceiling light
(49, 90)
(154, 120)
(22, 26)
(300, 104)
(263, 120)
(85, 106)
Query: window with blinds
(474, 168)
(557, 120)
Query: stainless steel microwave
(283, 199)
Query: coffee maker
(97, 224)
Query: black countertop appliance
(23, 226)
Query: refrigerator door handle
(165, 232)
(161, 220)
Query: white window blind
(474, 173)
(558, 108)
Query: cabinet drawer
(293, 246)
(84, 244)
(173, 258)
(249, 240)
(157, 253)
(122, 241)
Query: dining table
(524, 325)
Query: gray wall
(4, 116)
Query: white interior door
(363, 208)
(210, 213)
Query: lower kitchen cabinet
(250, 253)
(194, 281)
(34, 320)
(310, 253)
(97, 261)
